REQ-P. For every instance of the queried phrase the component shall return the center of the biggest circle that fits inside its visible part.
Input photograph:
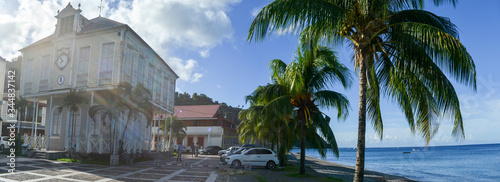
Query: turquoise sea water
(441, 163)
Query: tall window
(127, 65)
(44, 73)
(140, 70)
(106, 63)
(151, 72)
(94, 126)
(78, 119)
(158, 85)
(56, 122)
(83, 66)
(67, 24)
(166, 89)
(28, 75)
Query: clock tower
(68, 24)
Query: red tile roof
(194, 111)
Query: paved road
(202, 169)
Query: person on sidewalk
(179, 152)
(196, 148)
(192, 150)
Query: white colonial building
(95, 54)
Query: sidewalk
(28, 169)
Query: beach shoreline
(325, 168)
(320, 170)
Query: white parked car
(254, 157)
(4, 142)
(230, 149)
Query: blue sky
(204, 41)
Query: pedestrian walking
(192, 150)
(179, 152)
(196, 150)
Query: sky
(205, 43)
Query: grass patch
(331, 179)
(259, 178)
(6, 151)
(68, 160)
(288, 168)
(101, 162)
(298, 175)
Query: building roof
(196, 111)
(100, 23)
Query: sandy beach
(346, 173)
(317, 167)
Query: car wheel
(1, 147)
(271, 165)
(236, 164)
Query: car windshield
(239, 151)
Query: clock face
(60, 80)
(62, 61)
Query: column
(165, 132)
(32, 124)
(68, 122)
(158, 132)
(49, 125)
(170, 134)
(89, 141)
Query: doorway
(201, 142)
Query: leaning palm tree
(399, 50)
(301, 88)
(73, 100)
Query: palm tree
(72, 101)
(20, 105)
(133, 101)
(257, 124)
(178, 128)
(300, 87)
(399, 50)
(108, 112)
(124, 99)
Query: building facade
(97, 55)
(206, 125)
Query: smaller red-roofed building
(206, 125)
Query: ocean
(438, 163)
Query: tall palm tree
(258, 124)
(108, 112)
(399, 50)
(20, 105)
(124, 99)
(300, 87)
(178, 128)
(134, 101)
(73, 100)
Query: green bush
(68, 160)
(298, 175)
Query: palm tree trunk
(302, 146)
(360, 156)
(121, 143)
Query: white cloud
(167, 26)
(188, 74)
(256, 11)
